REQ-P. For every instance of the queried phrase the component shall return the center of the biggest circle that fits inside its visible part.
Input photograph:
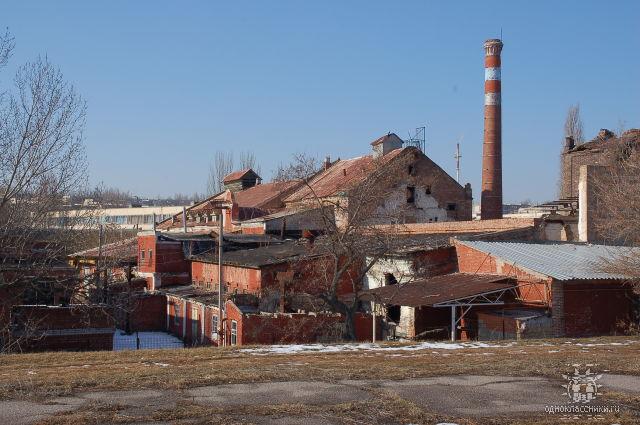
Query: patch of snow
(604, 344)
(337, 348)
(148, 340)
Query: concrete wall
(588, 199)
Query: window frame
(411, 194)
(234, 333)
(214, 327)
(176, 318)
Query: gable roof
(261, 194)
(561, 261)
(255, 197)
(341, 176)
(237, 175)
(386, 137)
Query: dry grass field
(43, 376)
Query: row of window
(411, 197)
(133, 219)
(142, 256)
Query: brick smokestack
(491, 200)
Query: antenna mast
(457, 156)
(418, 139)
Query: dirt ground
(392, 384)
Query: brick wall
(166, 256)
(72, 328)
(149, 313)
(595, 307)
(443, 187)
(571, 163)
(495, 326)
(236, 278)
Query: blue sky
(169, 83)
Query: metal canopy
(457, 290)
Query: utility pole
(457, 156)
(103, 287)
(221, 338)
(373, 316)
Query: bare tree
(573, 124)
(618, 196)
(616, 204)
(351, 240)
(221, 165)
(248, 160)
(572, 130)
(302, 167)
(41, 160)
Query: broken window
(427, 190)
(410, 170)
(451, 207)
(393, 313)
(411, 194)
(390, 279)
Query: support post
(373, 315)
(453, 323)
(221, 339)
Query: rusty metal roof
(342, 176)
(261, 194)
(439, 289)
(193, 293)
(259, 257)
(120, 250)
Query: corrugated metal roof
(561, 261)
(438, 289)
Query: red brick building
(424, 191)
(270, 289)
(584, 299)
(515, 289)
(247, 198)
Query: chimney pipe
(327, 162)
(491, 198)
(569, 143)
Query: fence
(144, 340)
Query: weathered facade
(600, 151)
(422, 191)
